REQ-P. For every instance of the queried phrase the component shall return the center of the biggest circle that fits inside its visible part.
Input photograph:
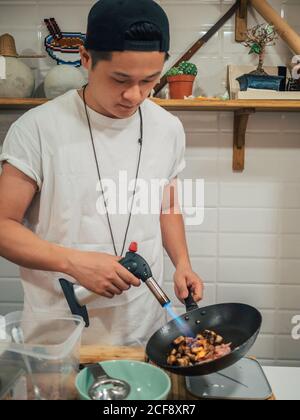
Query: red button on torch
(133, 247)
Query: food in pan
(206, 347)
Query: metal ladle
(106, 388)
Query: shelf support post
(241, 118)
(241, 21)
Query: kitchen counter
(285, 382)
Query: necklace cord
(140, 142)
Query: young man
(54, 215)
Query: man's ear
(86, 59)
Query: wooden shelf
(18, 103)
(233, 105)
(242, 110)
(185, 105)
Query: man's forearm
(174, 239)
(20, 246)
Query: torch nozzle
(159, 294)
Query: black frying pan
(237, 323)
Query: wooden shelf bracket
(241, 118)
(241, 21)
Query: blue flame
(182, 325)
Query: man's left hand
(184, 280)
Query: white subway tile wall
(248, 248)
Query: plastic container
(46, 347)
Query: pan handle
(190, 304)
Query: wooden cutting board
(94, 354)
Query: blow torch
(78, 296)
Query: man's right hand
(98, 272)
(101, 273)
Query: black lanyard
(140, 142)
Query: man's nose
(133, 94)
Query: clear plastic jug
(45, 347)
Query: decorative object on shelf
(181, 80)
(293, 85)
(8, 46)
(18, 79)
(63, 47)
(258, 39)
(252, 81)
(61, 79)
(271, 87)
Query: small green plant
(184, 68)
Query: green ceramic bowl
(147, 381)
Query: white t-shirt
(51, 144)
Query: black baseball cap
(109, 20)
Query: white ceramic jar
(19, 79)
(61, 79)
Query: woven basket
(8, 46)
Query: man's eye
(120, 81)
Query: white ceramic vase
(19, 79)
(61, 79)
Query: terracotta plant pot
(181, 86)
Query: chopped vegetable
(206, 347)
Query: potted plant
(258, 39)
(181, 80)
